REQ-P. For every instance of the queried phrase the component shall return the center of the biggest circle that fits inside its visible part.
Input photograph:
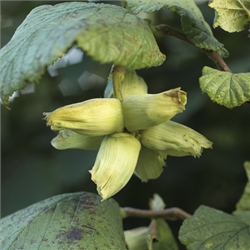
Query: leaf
(67, 221)
(231, 15)
(165, 239)
(136, 238)
(160, 236)
(108, 33)
(193, 24)
(225, 88)
(210, 228)
(244, 202)
(243, 215)
(157, 203)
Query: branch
(173, 213)
(162, 30)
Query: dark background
(32, 170)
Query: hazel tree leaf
(163, 238)
(136, 238)
(210, 228)
(108, 33)
(225, 88)
(67, 221)
(193, 24)
(243, 205)
(243, 215)
(160, 236)
(244, 202)
(230, 15)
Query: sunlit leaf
(108, 33)
(193, 24)
(244, 202)
(68, 221)
(210, 228)
(231, 15)
(225, 88)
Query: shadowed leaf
(163, 238)
(210, 228)
(244, 202)
(67, 221)
(193, 24)
(108, 33)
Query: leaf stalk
(163, 30)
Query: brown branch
(162, 30)
(173, 213)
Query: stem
(118, 75)
(173, 213)
(162, 30)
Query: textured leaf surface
(193, 24)
(106, 32)
(231, 15)
(68, 221)
(225, 88)
(244, 202)
(210, 228)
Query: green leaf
(160, 236)
(244, 202)
(193, 24)
(231, 15)
(243, 215)
(210, 228)
(164, 237)
(136, 238)
(225, 88)
(67, 221)
(108, 33)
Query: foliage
(225, 88)
(192, 21)
(212, 228)
(74, 221)
(231, 15)
(113, 34)
(90, 26)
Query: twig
(161, 30)
(173, 213)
